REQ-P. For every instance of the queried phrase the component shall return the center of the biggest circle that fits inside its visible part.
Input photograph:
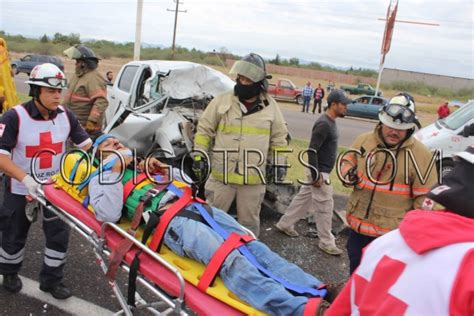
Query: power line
(176, 11)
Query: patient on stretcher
(194, 237)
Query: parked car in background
(366, 106)
(285, 90)
(361, 88)
(447, 134)
(28, 62)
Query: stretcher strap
(304, 290)
(130, 185)
(311, 306)
(124, 246)
(233, 242)
(184, 199)
(132, 279)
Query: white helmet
(399, 113)
(47, 75)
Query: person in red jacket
(426, 267)
(443, 110)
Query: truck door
(287, 91)
(123, 93)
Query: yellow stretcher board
(7, 83)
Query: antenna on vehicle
(220, 59)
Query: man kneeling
(197, 240)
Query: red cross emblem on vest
(46, 148)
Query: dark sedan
(367, 106)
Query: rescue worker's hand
(31, 185)
(351, 177)
(280, 173)
(200, 168)
(154, 166)
(92, 127)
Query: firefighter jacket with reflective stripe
(423, 268)
(388, 187)
(87, 97)
(241, 143)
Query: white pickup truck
(154, 105)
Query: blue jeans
(306, 101)
(196, 240)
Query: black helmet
(253, 67)
(80, 52)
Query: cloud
(342, 33)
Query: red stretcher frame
(156, 272)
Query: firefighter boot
(12, 283)
(58, 291)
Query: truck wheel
(300, 100)
(15, 70)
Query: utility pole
(175, 21)
(138, 31)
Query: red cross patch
(46, 148)
(2, 129)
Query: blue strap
(101, 168)
(246, 252)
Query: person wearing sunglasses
(87, 93)
(390, 171)
(33, 139)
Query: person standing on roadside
(86, 95)
(376, 167)
(109, 76)
(443, 111)
(318, 98)
(317, 197)
(241, 130)
(307, 94)
(33, 139)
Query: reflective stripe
(236, 178)
(54, 263)
(53, 258)
(243, 129)
(53, 253)
(279, 148)
(420, 191)
(397, 189)
(365, 228)
(202, 140)
(11, 259)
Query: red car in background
(285, 90)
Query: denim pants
(306, 101)
(196, 240)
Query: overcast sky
(341, 33)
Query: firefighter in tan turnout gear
(241, 130)
(382, 165)
(86, 95)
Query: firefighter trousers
(15, 231)
(248, 199)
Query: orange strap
(166, 218)
(311, 306)
(233, 242)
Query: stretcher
(171, 278)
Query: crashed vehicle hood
(189, 80)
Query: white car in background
(447, 134)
